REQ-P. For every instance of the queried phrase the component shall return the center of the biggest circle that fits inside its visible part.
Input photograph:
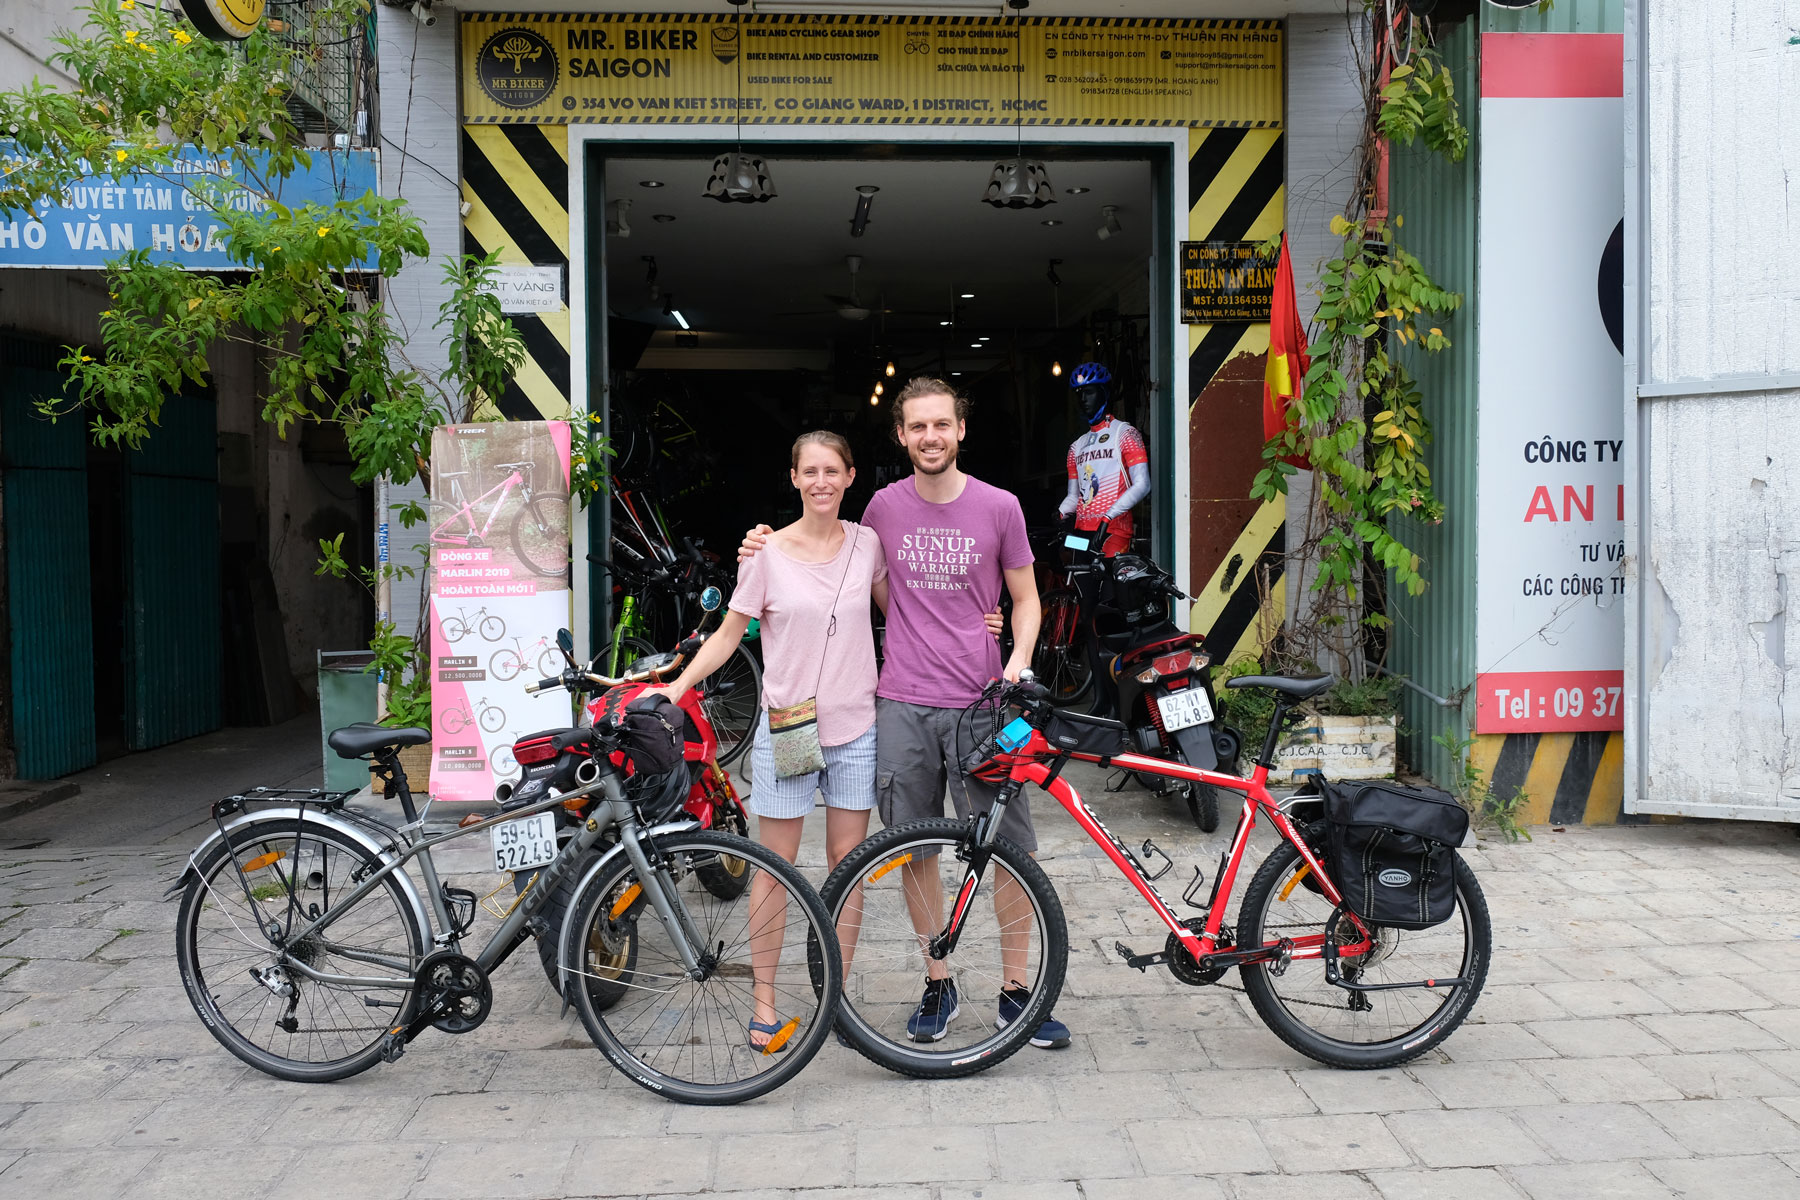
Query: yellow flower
(87, 358)
(181, 36)
(131, 35)
(127, 5)
(324, 229)
(272, 248)
(119, 154)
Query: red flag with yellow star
(1282, 378)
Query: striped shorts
(848, 779)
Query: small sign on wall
(524, 289)
(1225, 281)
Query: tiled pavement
(1639, 1037)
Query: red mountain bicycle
(1338, 988)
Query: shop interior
(734, 326)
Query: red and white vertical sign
(1550, 580)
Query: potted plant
(1348, 732)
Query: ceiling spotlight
(663, 218)
(1079, 191)
(421, 11)
(1110, 224)
(874, 400)
(1052, 223)
(650, 183)
(968, 295)
(890, 370)
(739, 178)
(1056, 368)
(1019, 183)
(865, 201)
(878, 387)
(943, 322)
(975, 345)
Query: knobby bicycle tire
(218, 944)
(540, 536)
(1401, 1024)
(734, 714)
(869, 1019)
(808, 956)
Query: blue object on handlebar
(1016, 734)
(1076, 541)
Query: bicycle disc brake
(454, 993)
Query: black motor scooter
(1155, 672)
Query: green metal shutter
(172, 628)
(43, 490)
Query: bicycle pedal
(393, 1045)
(1140, 961)
(1284, 955)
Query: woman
(812, 595)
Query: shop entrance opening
(732, 327)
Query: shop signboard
(499, 530)
(1550, 576)
(527, 289)
(171, 213)
(832, 69)
(1225, 281)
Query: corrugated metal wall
(1568, 16)
(1433, 639)
(172, 638)
(44, 496)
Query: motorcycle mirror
(565, 641)
(711, 598)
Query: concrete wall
(1712, 688)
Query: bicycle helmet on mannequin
(1092, 384)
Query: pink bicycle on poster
(540, 524)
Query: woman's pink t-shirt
(794, 602)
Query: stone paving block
(41, 975)
(201, 1121)
(162, 1039)
(1465, 1138)
(72, 1124)
(1131, 1051)
(478, 1117)
(783, 1160)
(491, 1170)
(1515, 1002)
(1604, 1080)
(1783, 1023)
(1525, 965)
(1725, 1126)
(68, 915)
(1727, 1178)
(349, 1172)
(1253, 1049)
(1243, 1094)
(1050, 1150)
(1388, 1090)
(1623, 964)
(1163, 1187)
(1330, 1143)
(55, 1008)
(1495, 1043)
(1463, 1183)
(992, 1097)
(1701, 1033)
(61, 1041)
(1208, 1146)
(1121, 1096)
(1780, 986)
(1339, 1186)
(434, 1064)
(887, 1101)
(325, 1116)
(930, 1155)
(1705, 993)
(1718, 1076)
(157, 971)
(1483, 1084)
(1603, 998)
(183, 1174)
(1590, 1181)
(1000, 1191)
(1606, 1037)
(1598, 1132)
(74, 1175)
(61, 1079)
(149, 1004)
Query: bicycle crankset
(1184, 966)
(454, 993)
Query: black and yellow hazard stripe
(1236, 192)
(1567, 778)
(516, 182)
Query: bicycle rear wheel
(540, 536)
(915, 867)
(1059, 659)
(243, 984)
(731, 698)
(1362, 1030)
(690, 1039)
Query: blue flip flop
(771, 1029)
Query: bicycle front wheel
(1363, 1030)
(690, 1039)
(1014, 933)
(731, 698)
(540, 536)
(1059, 659)
(247, 987)
(505, 664)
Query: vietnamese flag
(1287, 365)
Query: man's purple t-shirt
(946, 565)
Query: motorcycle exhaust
(587, 772)
(503, 793)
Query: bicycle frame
(467, 512)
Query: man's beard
(949, 460)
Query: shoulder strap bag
(794, 728)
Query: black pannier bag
(1393, 850)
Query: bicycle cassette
(454, 992)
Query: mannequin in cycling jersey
(1109, 467)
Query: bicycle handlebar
(577, 680)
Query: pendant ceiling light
(1019, 182)
(739, 178)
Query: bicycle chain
(1285, 999)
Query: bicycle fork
(981, 849)
(665, 901)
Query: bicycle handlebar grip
(543, 685)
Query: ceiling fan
(847, 307)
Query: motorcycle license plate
(1183, 709)
(525, 843)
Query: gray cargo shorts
(918, 757)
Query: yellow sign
(685, 68)
(225, 20)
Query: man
(950, 541)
